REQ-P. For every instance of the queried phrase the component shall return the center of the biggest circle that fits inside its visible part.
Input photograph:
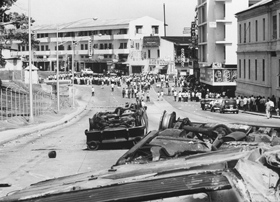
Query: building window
(139, 29)
(240, 33)
(47, 48)
(244, 32)
(256, 31)
(155, 29)
(86, 46)
(244, 69)
(249, 69)
(110, 46)
(263, 70)
(105, 46)
(158, 53)
(239, 68)
(149, 54)
(256, 70)
(101, 46)
(249, 27)
(137, 46)
(82, 46)
(42, 48)
(264, 29)
(23, 48)
(274, 27)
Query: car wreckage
(124, 124)
(181, 161)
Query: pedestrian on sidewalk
(271, 107)
(267, 108)
(92, 90)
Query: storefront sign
(214, 75)
(158, 62)
(151, 41)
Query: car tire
(93, 145)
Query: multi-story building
(258, 49)
(126, 45)
(217, 42)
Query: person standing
(175, 95)
(112, 86)
(158, 95)
(92, 90)
(161, 95)
(267, 108)
(128, 92)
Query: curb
(10, 135)
(258, 114)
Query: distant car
(124, 124)
(216, 105)
(87, 71)
(229, 105)
(206, 103)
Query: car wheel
(93, 145)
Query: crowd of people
(183, 90)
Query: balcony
(223, 42)
(43, 40)
(104, 51)
(102, 37)
(121, 36)
(42, 52)
(121, 51)
(83, 52)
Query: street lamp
(31, 118)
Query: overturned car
(181, 161)
(124, 124)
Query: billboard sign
(151, 41)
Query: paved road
(25, 161)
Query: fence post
(1, 104)
(6, 103)
(11, 101)
(19, 107)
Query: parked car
(181, 161)
(216, 105)
(87, 72)
(206, 103)
(124, 124)
(229, 105)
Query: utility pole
(31, 118)
(164, 20)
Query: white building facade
(217, 41)
(259, 50)
(101, 45)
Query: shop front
(219, 79)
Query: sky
(178, 13)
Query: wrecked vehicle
(124, 124)
(181, 161)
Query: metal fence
(15, 101)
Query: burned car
(124, 124)
(181, 161)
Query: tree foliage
(13, 27)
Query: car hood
(249, 172)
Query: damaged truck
(181, 161)
(124, 124)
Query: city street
(25, 160)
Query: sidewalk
(12, 134)
(165, 90)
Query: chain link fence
(15, 101)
